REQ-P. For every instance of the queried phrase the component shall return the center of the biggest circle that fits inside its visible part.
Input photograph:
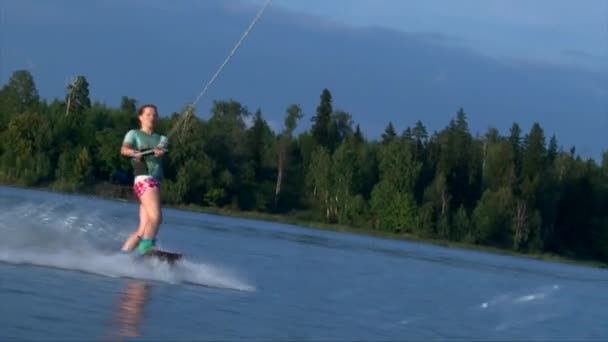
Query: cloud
(439, 77)
(437, 37)
(585, 56)
(577, 53)
(521, 29)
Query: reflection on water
(130, 309)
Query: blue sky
(556, 31)
(285, 59)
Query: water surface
(61, 277)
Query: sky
(511, 61)
(556, 31)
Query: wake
(59, 236)
(523, 308)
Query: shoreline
(94, 191)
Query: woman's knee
(155, 217)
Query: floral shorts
(142, 184)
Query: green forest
(519, 192)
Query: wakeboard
(169, 257)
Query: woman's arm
(127, 151)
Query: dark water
(61, 278)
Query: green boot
(145, 246)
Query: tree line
(515, 191)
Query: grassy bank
(123, 193)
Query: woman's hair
(142, 108)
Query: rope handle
(147, 152)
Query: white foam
(123, 265)
(531, 297)
(512, 298)
(34, 235)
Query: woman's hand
(158, 152)
(135, 154)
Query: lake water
(61, 278)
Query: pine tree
(389, 134)
(18, 96)
(77, 99)
(322, 120)
(294, 113)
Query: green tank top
(149, 164)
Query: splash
(59, 236)
(510, 299)
(526, 307)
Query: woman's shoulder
(130, 136)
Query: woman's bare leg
(133, 239)
(150, 201)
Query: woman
(148, 174)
